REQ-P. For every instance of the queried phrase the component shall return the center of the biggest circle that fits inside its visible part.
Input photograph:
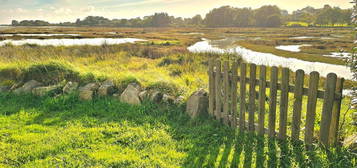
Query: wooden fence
(230, 101)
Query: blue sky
(68, 10)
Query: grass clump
(165, 87)
(51, 73)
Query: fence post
(252, 93)
(212, 88)
(226, 92)
(311, 107)
(296, 121)
(243, 73)
(272, 102)
(262, 97)
(234, 93)
(329, 97)
(334, 132)
(218, 90)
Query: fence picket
(272, 102)
(218, 92)
(296, 120)
(226, 92)
(284, 103)
(212, 87)
(243, 73)
(336, 114)
(330, 87)
(262, 97)
(234, 94)
(311, 107)
(252, 93)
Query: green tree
(14, 23)
(220, 17)
(265, 14)
(161, 20)
(244, 17)
(196, 20)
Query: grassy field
(66, 132)
(107, 133)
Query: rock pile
(133, 94)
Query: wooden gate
(233, 104)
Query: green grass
(66, 132)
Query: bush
(87, 78)
(51, 73)
(169, 61)
(165, 87)
(13, 74)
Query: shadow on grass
(207, 143)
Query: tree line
(225, 16)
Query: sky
(56, 11)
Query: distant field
(305, 24)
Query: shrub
(10, 74)
(165, 87)
(88, 78)
(51, 73)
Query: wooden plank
(218, 92)
(296, 120)
(311, 107)
(284, 103)
(234, 94)
(212, 87)
(272, 102)
(252, 84)
(330, 87)
(334, 132)
(226, 92)
(243, 72)
(262, 97)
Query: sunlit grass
(66, 132)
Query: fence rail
(233, 95)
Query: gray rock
(151, 95)
(4, 89)
(107, 88)
(351, 142)
(27, 87)
(179, 100)
(42, 91)
(144, 95)
(70, 87)
(87, 92)
(156, 96)
(168, 99)
(131, 95)
(116, 95)
(15, 86)
(197, 103)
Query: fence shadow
(243, 149)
